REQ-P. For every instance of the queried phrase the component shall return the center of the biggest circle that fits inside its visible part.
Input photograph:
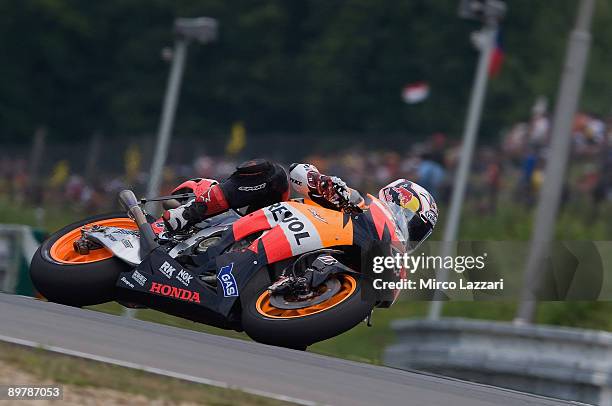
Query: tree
(293, 66)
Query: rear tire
(300, 332)
(76, 284)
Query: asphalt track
(301, 377)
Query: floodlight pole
(167, 118)
(202, 29)
(576, 58)
(485, 42)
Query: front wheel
(303, 325)
(64, 276)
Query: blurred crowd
(513, 168)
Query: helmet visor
(401, 217)
(410, 229)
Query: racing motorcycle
(289, 274)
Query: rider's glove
(174, 219)
(333, 189)
(308, 181)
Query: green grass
(80, 372)
(53, 217)
(367, 344)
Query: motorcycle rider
(259, 183)
(255, 184)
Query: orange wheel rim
(348, 284)
(63, 251)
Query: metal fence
(110, 150)
(561, 362)
(18, 244)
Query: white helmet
(413, 208)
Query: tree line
(304, 66)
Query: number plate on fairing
(124, 244)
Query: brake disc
(332, 286)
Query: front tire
(288, 329)
(66, 277)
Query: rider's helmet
(413, 208)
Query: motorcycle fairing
(284, 238)
(382, 219)
(289, 229)
(163, 278)
(161, 275)
(293, 228)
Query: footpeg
(368, 319)
(210, 278)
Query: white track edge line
(156, 371)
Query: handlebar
(170, 197)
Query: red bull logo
(407, 199)
(404, 195)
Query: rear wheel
(63, 275)
(336, 309)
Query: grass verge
(67, 370)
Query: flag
(60, 174)
(237, 139)
(132, 159)
(415, 92)
(497, 56)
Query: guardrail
(564, 363)
(18, 243)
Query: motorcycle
(290, 274)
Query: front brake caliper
(290, 285)
(283, 285)
(313, 277)
(84, 245)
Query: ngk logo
(177, 293)
(184, 277)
